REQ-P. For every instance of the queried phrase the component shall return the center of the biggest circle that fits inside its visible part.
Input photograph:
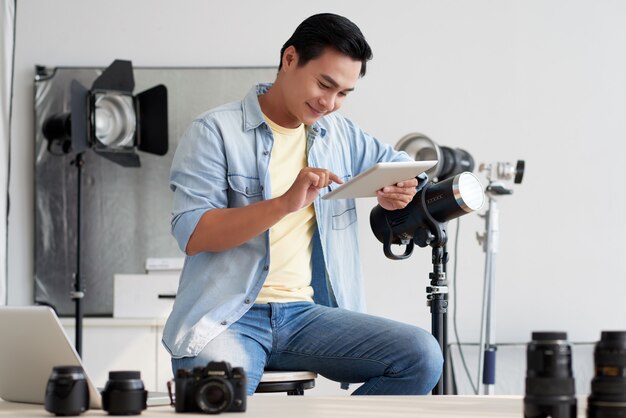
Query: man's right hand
(306, 187)
(224, 228)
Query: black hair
(327, 30)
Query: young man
(272, 278)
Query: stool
(292, 382)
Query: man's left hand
(398, 195)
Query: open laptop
(32, 342)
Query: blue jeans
(390, 357)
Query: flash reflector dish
(450, 161)
(114, 119)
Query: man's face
(320, 86)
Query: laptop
(32, 342)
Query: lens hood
(67, 392)
(124, 393)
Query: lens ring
(214, 395)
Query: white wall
(537, 80)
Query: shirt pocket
(343, 213)
(243, 190)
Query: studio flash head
(110, 119)
(434, 204)
(503, 170)
(451, 161)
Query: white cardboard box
(144, 295)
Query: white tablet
(378, 176)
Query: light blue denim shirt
(222, 162)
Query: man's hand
(224, 228)
(306, 187)
(397, 196)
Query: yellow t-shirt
(291, 239)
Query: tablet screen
(378, 176)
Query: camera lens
(550, 388)
(66, 391)
(214, 395)
(124, 393)
(608, 386)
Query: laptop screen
(33, 342)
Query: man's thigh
(246, 343)
(343, 345)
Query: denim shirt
(222, 162)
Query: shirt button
(247, 301)
(266, 152)
(266, 268)
(223, 323)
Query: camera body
(216, 388)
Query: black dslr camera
(212, 389)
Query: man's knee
(424, 360)
(433, 359)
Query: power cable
(454, 306)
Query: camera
(550, 386)
(66, 392)
(608, 386)
(212, 389)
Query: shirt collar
(252, 115)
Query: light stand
(487, 362)
(437, 293)
(451, 161)
(437, 299)
(423, 222)
(77, 294)
(113, 122)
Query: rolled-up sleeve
(197, 178)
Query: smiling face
(313, 90)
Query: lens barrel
(67, 392)
(608, 386)
(124, 393)
(550, 385)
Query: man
(272, 278)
